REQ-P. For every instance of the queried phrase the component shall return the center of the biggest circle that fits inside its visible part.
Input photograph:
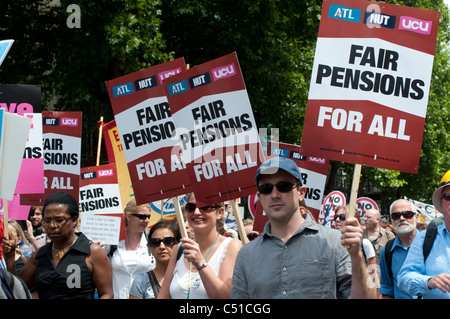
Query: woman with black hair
(70, 266)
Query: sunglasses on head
(167, 241)
(405, 214)
(446, 196)
(282, 187)
(340, 216)
(190, 207)
(141, 216)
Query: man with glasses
(296, 257)
(404, 218)
(429, 276)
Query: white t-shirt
(126, 264)
(369, 250)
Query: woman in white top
(131, 256)
(205, 269)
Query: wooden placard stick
(354, 191)
(162, 209)
(240, 224)
(99, 145)
(180, 217)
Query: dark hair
(163, 224)
(65, 199)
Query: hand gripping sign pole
(240, 224)
(354, 192)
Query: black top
(71, 279)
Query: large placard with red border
(368, 98)
(62, 155)
(145, 125)
(313, 175)
(217, 132)
(100, 195)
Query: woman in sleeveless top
(205, 269)
(70, 266)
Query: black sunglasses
(167, 241)
(446, 196)
(340, 216)
(282, 187)
(252, 236)
(406, 214)
(190, 207)
(141, 216)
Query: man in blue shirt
(430, 278)
(404, 217)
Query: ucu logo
(223, 72)
(317, 160)
(105, 172)
(67, 121)
(166, 74)
(415, 25)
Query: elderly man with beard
(404, 218)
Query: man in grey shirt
(295, 257)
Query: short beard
(405, 228)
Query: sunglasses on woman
(405, 214)
(141, 216)
(282, 187)
(167, 241)
(190, 208)
(340, 216)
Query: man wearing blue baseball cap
(296, 257)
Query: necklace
(190, 269)
(60, 253)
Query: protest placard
(363, 204)
(114, 150)
(100, 195)
(145, 127)
(329, 205)
(369, 98)
(15, 130)
(62, 156)
(5, 45)
(216, 130)
(313, 172)
(165, 208)
(25, 100)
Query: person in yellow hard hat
(439, 194)
(426, 272)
